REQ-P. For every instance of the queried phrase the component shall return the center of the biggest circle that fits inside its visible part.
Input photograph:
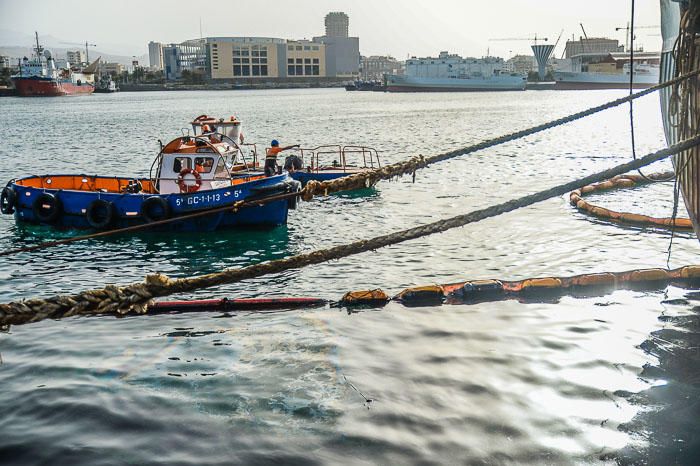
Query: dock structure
(542, 53)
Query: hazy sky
(384, 26)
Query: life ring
(154, 209)
(187, 188)
(8, 200)
(100, 214)
(47, 208)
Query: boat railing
(315, 158)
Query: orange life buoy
(189, 188)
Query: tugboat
(37, 77)
(190, 174)
(322, 163)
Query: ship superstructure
(451, 72)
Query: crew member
(271, 156)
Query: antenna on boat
(38, 47)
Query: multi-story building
(4, 62)
(76, 57)
(155, 55)
(191, 56)
(305, 58)
(257, 58)
(521, 64)
(342, 51)
(245, 57)
(337, 24)
(592, 46)
(375, 67)
(111, 68)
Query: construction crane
(535, 39)
(86, 44)
(628, 32)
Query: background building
(593, 45)
(257, 58)
(337, 24)
(375, 67)
(76, 57)
(521, 64)
(342, 51)
(155, 55)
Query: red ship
(39, 77)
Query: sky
(395, 27)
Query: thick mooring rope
(136, 297)
(409, 167)
(366, 179)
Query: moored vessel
(190, 174)
(452, 73)
(39, 76)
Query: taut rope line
(136, 297)
(362, 180)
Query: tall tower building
(337, 24)
(155, 55)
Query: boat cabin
(195, 163)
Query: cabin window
(221, 171)
(203, 164)
(181, 163)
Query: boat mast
(38, 47)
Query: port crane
(628, 32)
(535, 39)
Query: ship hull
(399, 83)
(590, 81)
(35, 86)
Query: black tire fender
(100, 214)
(47, 208)
(8, 200)
(155, 208)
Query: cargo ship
(39, 76)
(609, 71)
(452, 73)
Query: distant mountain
(15, 44)
(15, 52)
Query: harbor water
(609, 378)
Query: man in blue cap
(271, 156)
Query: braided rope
(409, 167)
(137, 296)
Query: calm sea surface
(570, 380)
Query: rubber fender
(690, 271)
(8, 200)
(422, 295)
(365, 297)
(47, 208)
(100, 214)
(649, 275)
(477, 287)
(549, 282)
(155, 208)
(594, 279)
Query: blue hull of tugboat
(128, 207)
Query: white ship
(449, 73)
(610, 72)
